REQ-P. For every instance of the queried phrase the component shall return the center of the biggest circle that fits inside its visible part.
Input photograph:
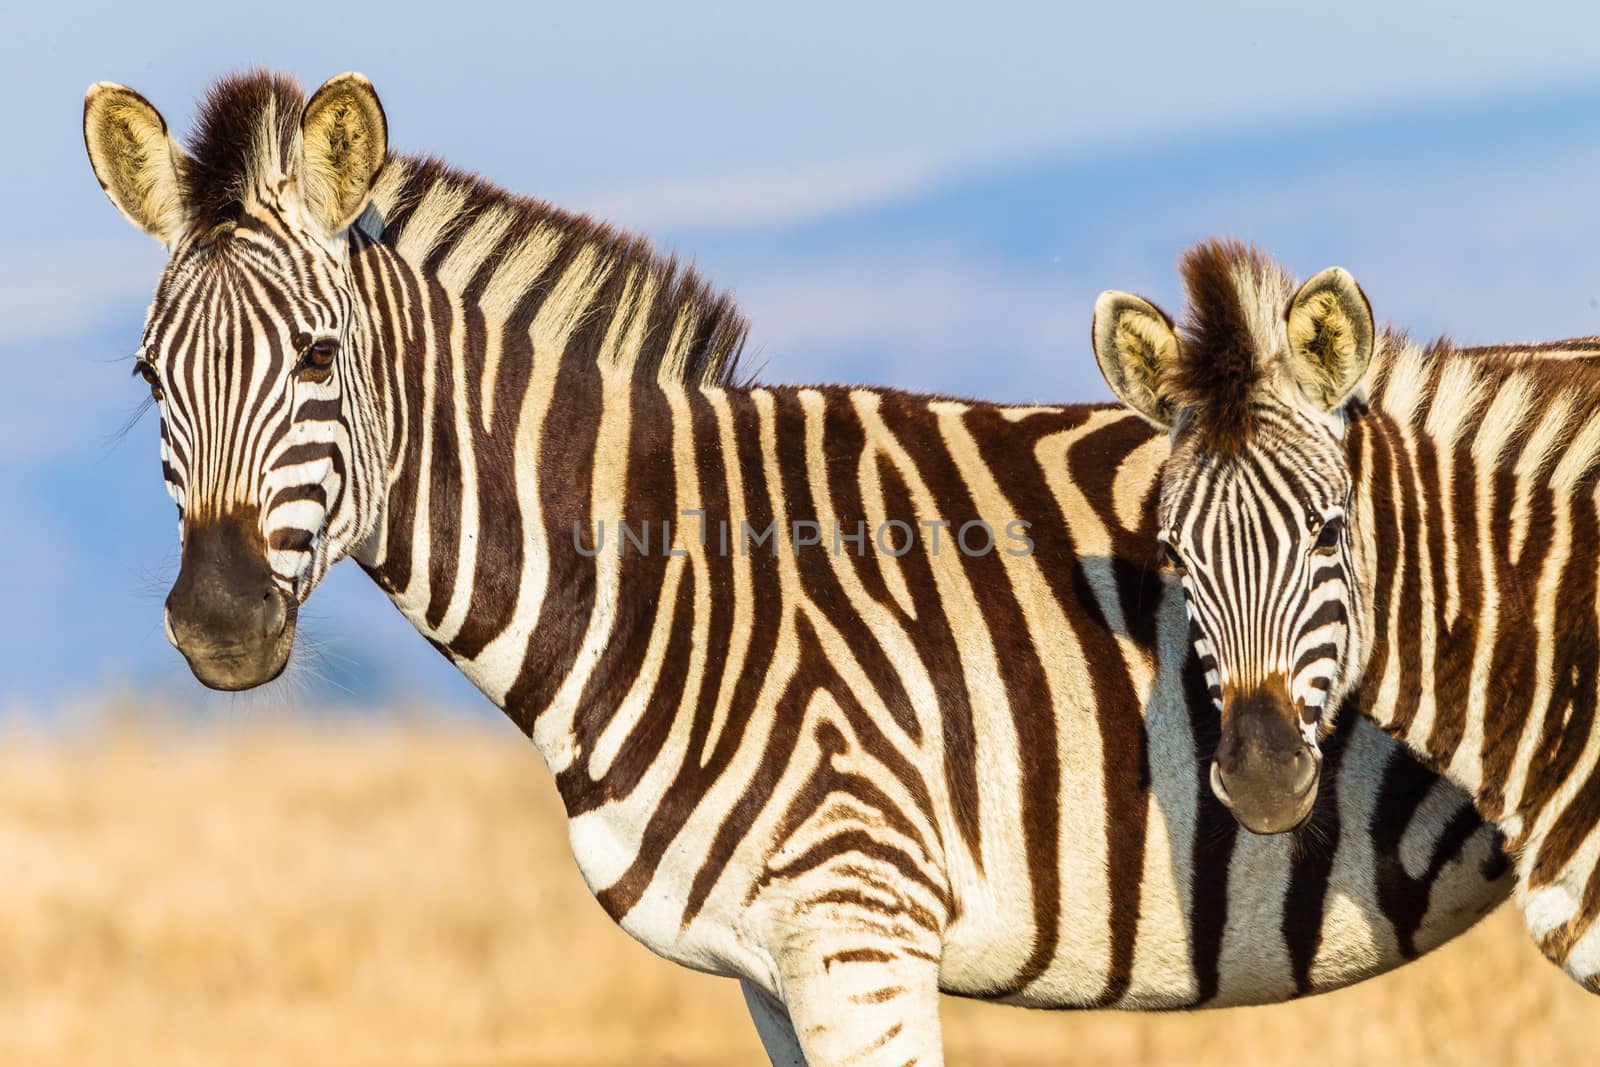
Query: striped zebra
(824, 717)
(1414, 527)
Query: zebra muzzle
(1265, 772)
(225, 613)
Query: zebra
(794, 748)
(1407, 529)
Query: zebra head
(1255, 502)
(253, 347)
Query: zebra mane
(1523, 404)
(247, 129)
(612, 298)
(1236, 299)
(600, 294)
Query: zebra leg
(772, 1023)
(849, 915)
(863, 1006)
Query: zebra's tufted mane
(1507, 400)
(247, 130)
(612, 296)
(1230, 336)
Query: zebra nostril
(1305, 771)
(1218, 788)
(273, 616)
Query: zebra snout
(1265, 772)
(225, 613)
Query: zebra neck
(500, 447)
(1481, 606)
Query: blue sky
(927, 195)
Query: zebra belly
(986, 945)
(1265, 954)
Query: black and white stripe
(1263, 609)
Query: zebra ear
(1137, 350)
(344, 141)
(1330, 337)
(134, 159)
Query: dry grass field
(285, 893)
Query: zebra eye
(1327, 542)
(152, 379)
(317, 359)
(1174, 560)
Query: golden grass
(375, 895)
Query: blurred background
(927, 195)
